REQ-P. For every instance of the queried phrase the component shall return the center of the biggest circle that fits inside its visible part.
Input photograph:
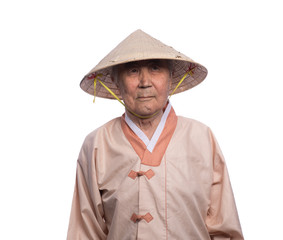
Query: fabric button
(149, 174)
(136, 218)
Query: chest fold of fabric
(153, 158)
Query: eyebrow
(145, 62)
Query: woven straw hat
(141, 46)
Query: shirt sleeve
(222, 218)
(86, 219)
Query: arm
(86, 219)
(222, 218)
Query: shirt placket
(144, 215)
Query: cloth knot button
(149, 174)
(136, 218)
(140, 173)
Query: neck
(147, 125)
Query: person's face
(144, 85)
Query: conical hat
(141, 46)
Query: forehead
(160, 62)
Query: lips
(144, 98)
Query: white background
(48, 46)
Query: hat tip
(138, 30)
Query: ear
(114, 81)
(172, 73)
(170, 79)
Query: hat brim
(179, 68)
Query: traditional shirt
(173, 186)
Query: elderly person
(150, 174)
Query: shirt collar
(150, 144)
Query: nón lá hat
(137, 47)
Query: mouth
(144, 98)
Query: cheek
(163, 88)
(127, 89)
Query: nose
(145, 78)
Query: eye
(155, 67)
(133, 70)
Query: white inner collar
(150, 144)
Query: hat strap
(190, 72)
(115, 96)
(183, 78)
(107, 88)
(94, 86)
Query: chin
(148, 112)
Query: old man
(150, 174)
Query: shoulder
(94, 138)
(108, 127)
(191, 124)
(195, 130)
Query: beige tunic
(180, 191)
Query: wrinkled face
(144, 85)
